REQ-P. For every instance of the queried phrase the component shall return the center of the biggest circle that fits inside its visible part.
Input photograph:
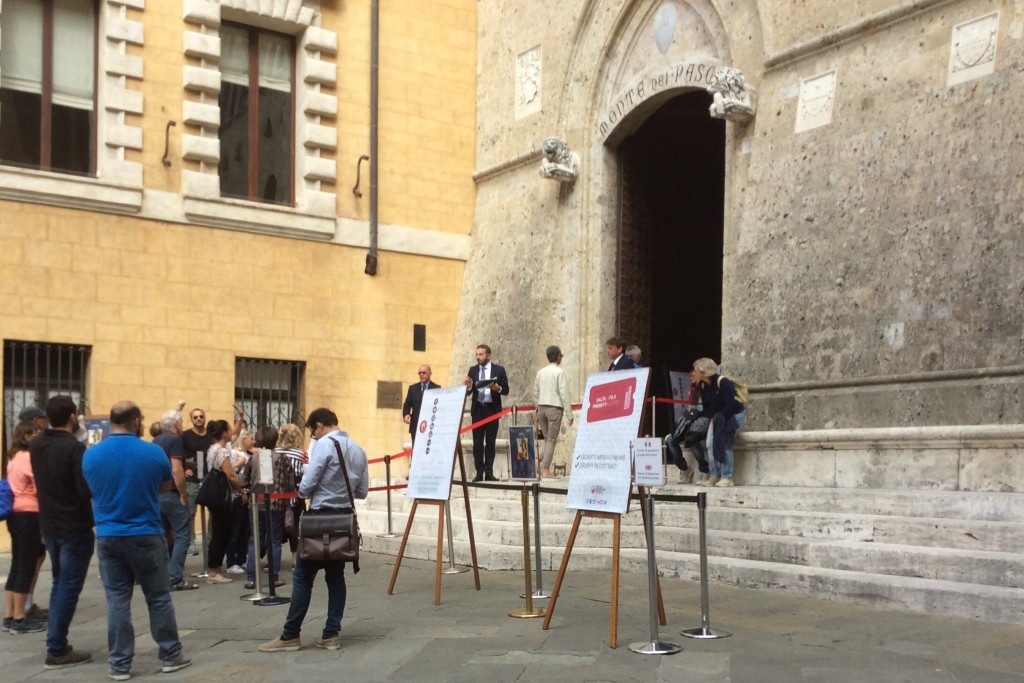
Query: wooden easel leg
(561, 569)
(440, 551)
(657, 578)
(613, 626)
(401, 548)
(469, 515)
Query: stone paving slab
(469, 637)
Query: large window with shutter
(48, 85)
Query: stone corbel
(734, 100)
(559, 163)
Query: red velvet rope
(408, 452)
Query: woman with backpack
(722, 405)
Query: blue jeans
(176, 516)
(277, 536)
(123, 561)
(724, 439)
(303, 576)
(69, 560)
(676, 451)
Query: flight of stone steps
(953, 552)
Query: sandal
(184, 586)
(218, 578)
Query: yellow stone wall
(167, 307)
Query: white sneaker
(709, 480)
(235, 569)
(725, 481)
(686, 476)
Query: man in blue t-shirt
(126, 476)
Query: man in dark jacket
(414, 399)
(65, 517)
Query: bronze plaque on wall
(389, 395)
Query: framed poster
(522, 453)
(600, 477)
(433, 455)
(96, 428)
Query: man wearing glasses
(413, 400)
(194, 440)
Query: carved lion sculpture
(559, 163)
(733, 99)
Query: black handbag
(215, 493)
(331, 535)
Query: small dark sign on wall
(389, 395)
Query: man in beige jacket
(552, 394)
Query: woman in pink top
(27, 550)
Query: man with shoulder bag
(336, 473)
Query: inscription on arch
(686, 74)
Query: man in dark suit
(414, 398)
(616, 349)
(486, 402)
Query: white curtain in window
(21, 45)
(234, 55)
(275, 62)
(74, 53)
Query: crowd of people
(72, 502)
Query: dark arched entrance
(672, 190)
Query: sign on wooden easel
(600, 479)
(430, 474)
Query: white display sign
(648, 469)
(430, 474)
(600, 476)
(265, 466)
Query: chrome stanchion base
(655, 647)
(253, 597)
(387, 535)
(705, 633)
(272, 600)
(528, 613)
(455, 570)
(537, 595)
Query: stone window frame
(315, 210)
(116, 186)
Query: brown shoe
(280, 645)
(333, 643)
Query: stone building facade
(825, 196)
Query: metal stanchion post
(654, 416)
(254, 521)
(451, 569)
(655, 646)
(704, 631)
(529, 612)
(203, 573)
(387, 471)
(273, 598)
(538, 594)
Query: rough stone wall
(872, 265)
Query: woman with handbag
(336, 473)
(220, 464)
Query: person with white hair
(174, 503)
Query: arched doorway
(672, 192)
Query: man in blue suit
(486, 402)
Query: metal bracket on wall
(167, 143)
(359, 168)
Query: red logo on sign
(611, 400)
(423, 427)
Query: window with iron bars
(35, 371)
(269, 391)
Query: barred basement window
(269, 391)
(35, 371)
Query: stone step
(965, 566)
(962, 534)
(961, 505)
(987, 603)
